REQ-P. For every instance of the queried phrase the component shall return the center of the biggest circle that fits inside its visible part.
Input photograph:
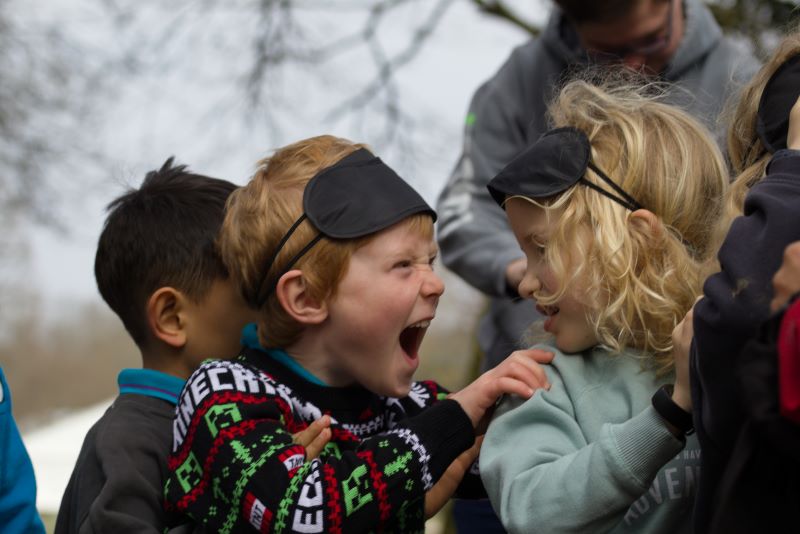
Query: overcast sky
(194, 110)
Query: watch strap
(671, 412)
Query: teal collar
(250, 340)
(150, 383)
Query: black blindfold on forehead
(779, 95)
(357, 196)
(553, 164)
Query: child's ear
(647, 222)
(166, 310)
(293, 295)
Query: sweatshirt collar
(150, 383)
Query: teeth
(550, 310)
(421, 324)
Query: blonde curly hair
(747, 154)
(640, 282)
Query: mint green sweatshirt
(591, 454)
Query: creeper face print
(355, 489)
(220, 416)
(189, 473)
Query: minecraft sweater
(234, 467)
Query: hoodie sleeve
(474, 235)
(736, 300)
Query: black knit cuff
(446, 432)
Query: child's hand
(793, 135)
(787, 280)
(440, 493)
(681, 345)
(314, 437)
(519, 374)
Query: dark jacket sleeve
(473, 233)
(423, 395)
(736, 301)
(235, 467)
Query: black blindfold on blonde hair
(553, 164)
(780, 94)
(356, 197)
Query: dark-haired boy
(158, 269)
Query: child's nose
(432, 285)
(529, 285)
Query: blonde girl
(614, 210)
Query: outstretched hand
(520, 374)
(314, 437)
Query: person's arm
(17, 483)
(539, 469)
(473, 232)
(236, 464)
(737, 299)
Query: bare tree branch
(497, 8)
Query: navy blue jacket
(735, 304)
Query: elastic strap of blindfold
(263, 295)
(626, 200)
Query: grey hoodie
(507, 113)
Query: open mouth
(548, 310)
(411, 338)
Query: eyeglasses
(647, 46)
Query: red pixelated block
(293, 458)
(256, 513)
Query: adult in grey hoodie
(507, 113)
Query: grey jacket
(507, 113)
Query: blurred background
(94, 93)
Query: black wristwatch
(671, 412)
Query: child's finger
(537, 355)
(315, 448)
(524, 368)
(511, 386)
(309, 434)
(531, 375)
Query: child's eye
(432, 260)
(402, 264)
